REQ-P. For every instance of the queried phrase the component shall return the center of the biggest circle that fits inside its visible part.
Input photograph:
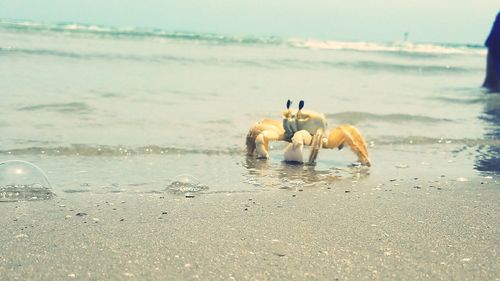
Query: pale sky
(447, 21)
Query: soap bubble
(23, 181)
(185, 183)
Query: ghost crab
(304, 127)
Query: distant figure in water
(492, 80)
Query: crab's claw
(260, 134)
(347, 134)
(293, 152)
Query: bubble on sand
(185, 183)
(23, 181)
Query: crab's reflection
(286, 175)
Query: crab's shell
(303, 120)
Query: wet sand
(114, 117)
(347, 231)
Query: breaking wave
(398, 48)
(293, 63)
(354, 117)
(106, 150)
(112, 150)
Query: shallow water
(102, 109)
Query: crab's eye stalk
(288, 104)
(301, 104)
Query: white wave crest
(406, 47)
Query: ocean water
(104, 109)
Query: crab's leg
(316, 144)
(350, 135)
(250, 143)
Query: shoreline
(344, 232)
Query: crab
(304, 128)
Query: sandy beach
(114, 114)
(346, 232)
